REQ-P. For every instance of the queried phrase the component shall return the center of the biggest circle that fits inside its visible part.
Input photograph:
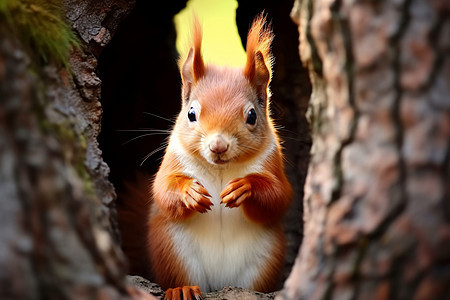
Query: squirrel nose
(218, 145)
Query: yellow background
(221, 43)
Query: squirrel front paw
(185, 292)
(195, 196)
(236, 192)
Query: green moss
(75, 145)
(41, 27)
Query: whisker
(144, 129)
(153, 152)
(152, 132)
(143, 135)
(283, 128)
(152, 114)
(302, 139)
(162, 118)
(194, 134)
(290, 135)
(248, 147)
(292, 138)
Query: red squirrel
(221, 191)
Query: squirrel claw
(195, 197)
(185, 292)
(236, 192)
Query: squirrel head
(225, 114)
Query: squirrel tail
(133, 211)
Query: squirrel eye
(251, 117)
(191, 115)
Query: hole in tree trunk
(141, 81)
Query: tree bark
(58, 238)
(376, 206)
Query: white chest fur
(222, 247)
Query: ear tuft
(258, 68)
(193, 67)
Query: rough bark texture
(376, 205)
(57, 228)
(96, 23)
(225, 293)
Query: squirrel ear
(259, 76)
(258, 68)
(193, 67)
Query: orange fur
(176, 194)
(167, 268)
(268, 280)
(192, 66)
(185, 292)
(258, 68)
(266, 195)
(191, 189)
(259, 38)
(198, 64)
(133, 204)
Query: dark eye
(251, 117)
(191, 115)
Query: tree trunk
(58, 237)
(377, 201)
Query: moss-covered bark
(42, 29)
